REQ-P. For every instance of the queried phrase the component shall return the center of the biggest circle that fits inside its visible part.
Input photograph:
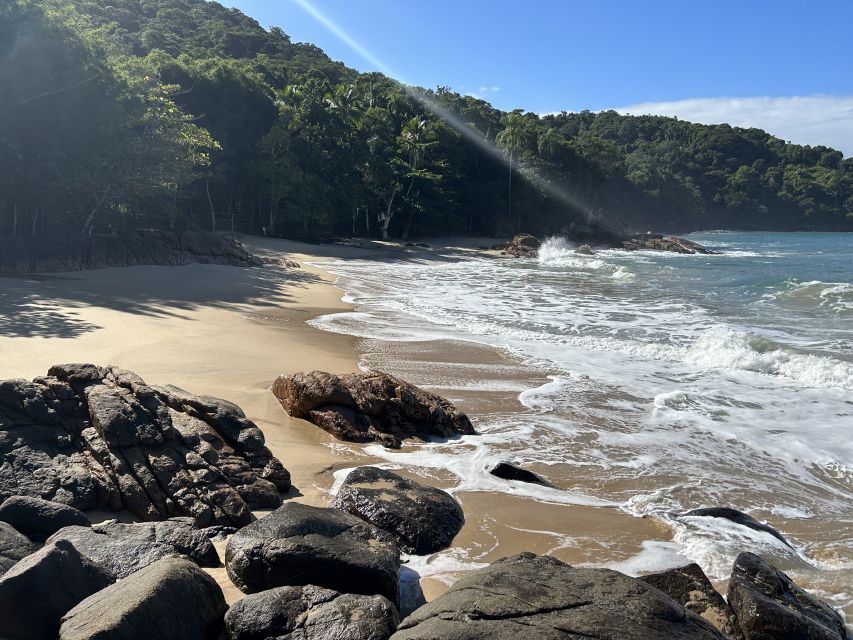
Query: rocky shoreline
(192, 468)
(526, 246)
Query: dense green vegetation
(182, 113)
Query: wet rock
(298, 545)
(584, 250)
(540, 597)
(41, 588)
(768, 604)
(369, 407)
(423, 519)
(310, 613)
(171, 599)
(14, 546)
(123, 549)
(657, 242)
(38, 519)
(509, 471)
(523, 246)
(738, 517)
(690, 587)
(92, 437)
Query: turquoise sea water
(674, 381)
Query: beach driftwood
(101, 438)
(369, 407)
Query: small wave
(723, 347)
(623, 274)
(836, 297)
(560, 252)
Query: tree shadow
(52, 305)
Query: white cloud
(814, 120)
(481, 93)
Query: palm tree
(513, 138)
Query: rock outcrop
(123, 549)
(738, 517)
(509, 471)
(171, 599)
(768, 604)
(39, 519)
(540, 597)
(369, 407)
(690, 587)
(100, 437)
(658, 242)
(298, 545)
(523, 246)
(41, 588)
(310, 613)
(423, 519)
(14, 546)
(75, 252)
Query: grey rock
(584, 250)
(123, 549)
(100, 437)
(38, 519)
(769, 605)
(423, 519)
(369, 407)
(523, 246)
(690, 587)
(14, 546)
(41, 588)
(738, 517)
(529, 596)
(310, 613)
(657, 242)
(171, 599)
(298, 544)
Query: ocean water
(666, 382)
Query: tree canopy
(183, 113)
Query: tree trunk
(386, 218)
(15, 220)
(509, 192)
(89, 224)
(35, 221)
(210, 202)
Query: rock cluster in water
(369, 407)
(100, 438)
(658, 242)
(310, 573)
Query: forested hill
(122, 114)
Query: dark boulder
(171, 599)
(41, 588)
(529, 596)
(509, 471)
(38, 519)
(125, 548)
(584, 250)
(768, 605)
(423, 519)
(690, 587)
(298, 545)
(310, 613)
(369, 407)
(14, 546)
(657, 242)
(738, 517)
(523, 246)
(93, 437)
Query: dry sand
(228, 332)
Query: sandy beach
(228, 332)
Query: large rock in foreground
(423, 519)
(14, 546)
(171, 599)
(41, 588)
(123, 549)
(690, 587)
(310, 613)
(298, 545)
(369, 407)
(38, 519)
(769, 605)
(93, 437)
(529, 596)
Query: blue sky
(744, 62)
